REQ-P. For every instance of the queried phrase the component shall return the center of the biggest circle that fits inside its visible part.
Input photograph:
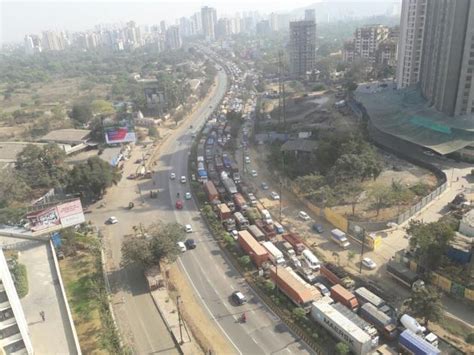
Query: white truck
(266, 216)
(276, 256)
(340, 238)
(311, 259)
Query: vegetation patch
(20, 277)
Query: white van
(311, 259)
(267, 217)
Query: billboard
(120, 132)
(61, 216)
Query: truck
(276, 256)
(202, 175)
(341, 327)
(344, 296)
(287, 249)
(295, 241)
(360, 322)
(223, 211)
(340, 238)
(254, 249)
(229, 224)
(365, 296)
(211, 191)
(241, 221)
(266, 216)
(266, 229)
(240, 202)
(311, 259)
(410, 343)
(404, 275)
(236, 178)
(383, 323)
(336, 275)
(229, 184)
(292, 287)
(256, 232)
(411, 324)
(226, 161)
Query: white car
(247, 160)
(172, 176)
(254, 173)
(369, 263)
(323, 289)
(112, 220)
(235, 234)
(188, 228)
(303, 215)
(181, 247)
(183, 179)
(274, 195)
(187, 196)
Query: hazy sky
(18, 18)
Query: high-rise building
(163, 26)
(223, 28)
(173, 37)
(209, 20)
(32, 44)
(310, 15)
(274, 21)
(412, 30)
(302, 47)
(263, 27)
(52, 41)
(444, 58)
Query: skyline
(38, 16)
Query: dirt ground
(202, 326)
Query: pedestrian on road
(42, 316)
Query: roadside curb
(63, 293)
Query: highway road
(210, 273)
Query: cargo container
(360, 322)
(292, 288)
(314, 290)
(256, 233)
(410, 343)
(311, 259)
(276, 256)
(404, 275)
(223, 212)
(240, 203)
(254, 249)
(241, 221)
(295, 241)
(341, 327)
(365, 296)
(342, 295)
(336, 275)
(202, 176)
(340, 238)
(229, 185)
(384, 324)
(211, 191)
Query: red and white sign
(54, 218)
(44, 219)
(70, 213)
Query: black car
(238, 298)
(190, 244)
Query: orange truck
(254, 249)
(345, 297)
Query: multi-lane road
(210, 273)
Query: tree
(352, 191)
(430, 240)
(426, 303)
(81, 112)
(342, 348)
(299, 313)
(153, 132)
(13, 188)
(245, 261)
(158, 243)
(381, 196)
(92, 178)
(42, 167)
(309, 184)
(102, 107)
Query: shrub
(470, 338)
(21, 279)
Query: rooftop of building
(407, 115)
(10, 150)
(68, 135)
(300, 145)
(468, 218)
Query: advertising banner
(71, 213)
(44, 219)
(55, 218)
(120, 132)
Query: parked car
(369, 263)
(172, 176)
(187, 195)
(235, 234)
(188, 228)
(264, 186)
(318, 228)
(239, 298)
(323, 289)
(303, 215)
(112, 220)
(295, 262)
(190, 244)
(183, 179)
(253, 173)
(181, 247)
(247, 160)
(274, 195)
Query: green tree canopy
(158, 243)
(102, 107)
(91, 178)
(342, 348)
(81, 112)
(426, 303)
(12, 188)
(42, 166)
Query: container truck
(254, 249)
(411, 324)
(336, 275)
(311, 259)
(291, 287)
(210, 189)
(404, 275)
(341, 327)
(360, 322)
(340, 238)
(229, 224)
(365, 296)
(269, 232)
(256, 233)
(223, 211)
(410, 343)
(241, 221)
(229, 185)
(266, 216)
(345, 297)
(276, 256)
(295, 241)
(287, 249)
(383, 323)
(240, 202)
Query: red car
(179, 204)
